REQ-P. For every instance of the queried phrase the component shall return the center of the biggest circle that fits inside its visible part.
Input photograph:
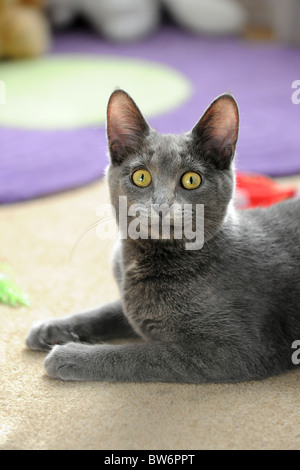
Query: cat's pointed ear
(216, 133)
(126, 127)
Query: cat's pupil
(191, 180)
(142, 177)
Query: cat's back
(285, 212)
(259, 251)
(278, 225)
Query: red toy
(260, 191)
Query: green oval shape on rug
(72, 91)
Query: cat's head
(193, 168)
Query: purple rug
(259, 76)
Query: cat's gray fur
(227, 312)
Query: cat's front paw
(69, 362)
(44, 334)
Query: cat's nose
(163, 200)
(161, 209)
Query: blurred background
(61, 59)
(59, 62)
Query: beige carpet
(37, 412)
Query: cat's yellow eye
(191, 180)
(141, 178)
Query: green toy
(10, 293)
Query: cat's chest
(154, 297)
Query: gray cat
(227, 312)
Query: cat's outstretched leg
(103, 323)
(132, 362)
(154, 361)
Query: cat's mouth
(161, 222)
(165, 224)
